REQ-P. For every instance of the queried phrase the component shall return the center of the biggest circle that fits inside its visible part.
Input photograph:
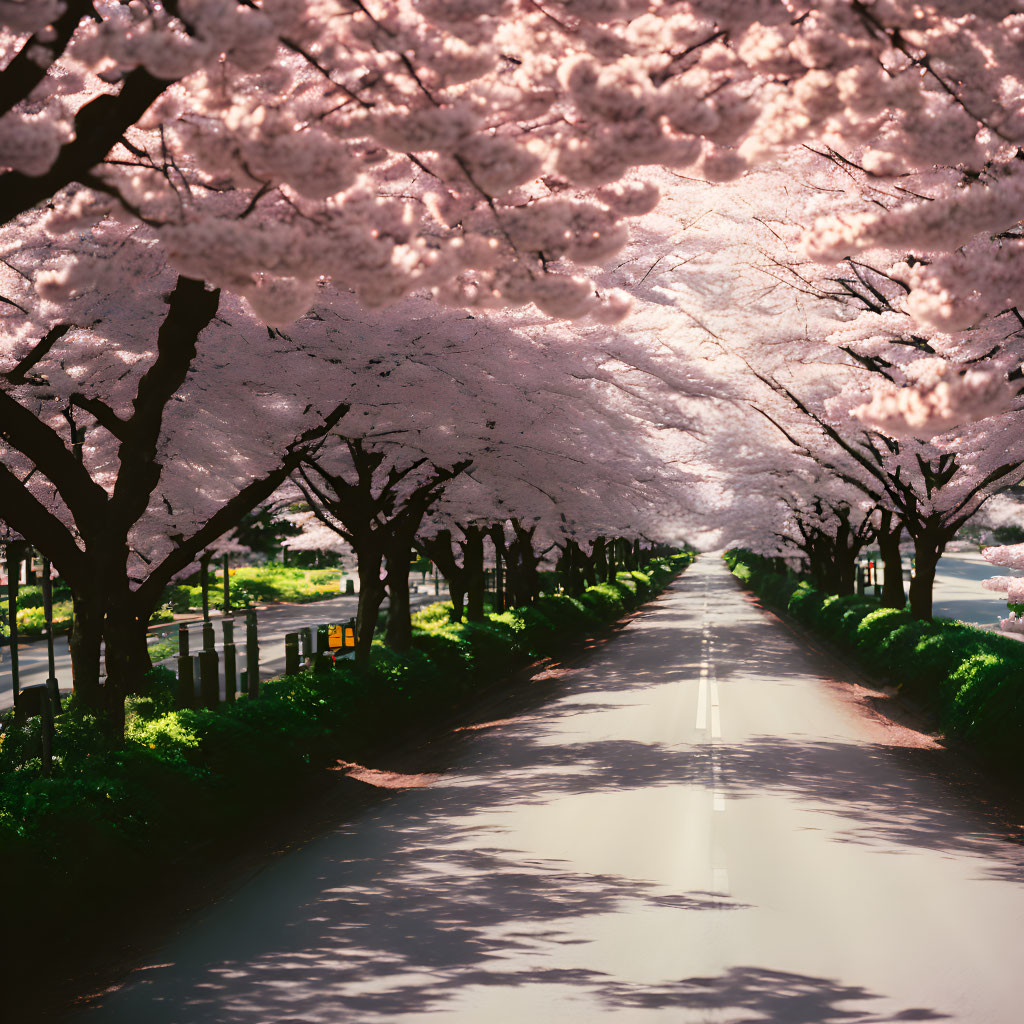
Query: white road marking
(716, 724)
(720, 882)
(702, 686)
(719, 801)
(714, 693)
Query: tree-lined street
(692, 823)
(543, 297)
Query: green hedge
(972, 679)
(107, 818)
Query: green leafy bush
(877, 625)
(32, 620)
(184, 776)
(973, 679)
(805, 603)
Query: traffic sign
(341, 636)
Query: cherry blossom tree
(137, 430)
(491, 425)
(482, 151)
(182, 172)
(376, 503)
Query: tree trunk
(829, 565)
(84, 643)
(846, 564)
(570, 567)
(610, 568)
(371, 596)
(526, 587)
(846, 571)
(893, 593)
(928, 548)
(502, 571)
(398, 632)
(473, 565)
(126, 657)
(458, 595)
(439, 549)
(598, 563)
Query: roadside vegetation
(112, 817)
(968, 678)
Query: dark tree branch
(24, 513)
(231, 513)
(39, 352)
(99, 125)
(24, 72)
(191, 308)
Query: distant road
(274, 622)
(959, 594)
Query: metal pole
(230, 673)
(209, 678)
(323, 660)
(252, 654)
(48, 612)
(204, 580)
(186, 674)
(13, 578)
(46, 713)
(291, 653)
(227, 586)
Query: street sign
(341, 636)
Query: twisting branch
(25, 71)
(39, 352)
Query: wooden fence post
(209, 678)
(252, 654)
(230, 672)
(291, 653)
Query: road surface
(274, 622)
(691, 825)
(958, 593)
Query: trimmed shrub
(877, 625)
(972, 678)
(805, 603)
(840, 616)
(185, 776)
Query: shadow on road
(403, 913)
(776, 996)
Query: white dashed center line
(720, 883)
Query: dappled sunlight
(386, 779)
(560, 858)
(399, 927)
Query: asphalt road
(958, 592)
(693, 824)
(274, 621)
